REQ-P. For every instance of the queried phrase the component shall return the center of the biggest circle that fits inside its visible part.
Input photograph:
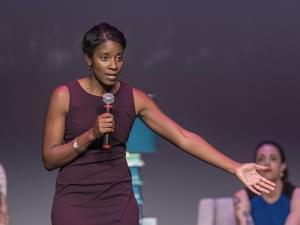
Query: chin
(108, 83)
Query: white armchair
(216, 211)
(3, 189)
(4, 220)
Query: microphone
(108, 100)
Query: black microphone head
(108, 98)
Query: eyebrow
(108, 53)
(263, 155)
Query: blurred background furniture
(216, 211)
(4, 220)
(3, 187)
(141, 140)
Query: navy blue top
(264, 213)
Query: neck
(97, 87)
(273, 196)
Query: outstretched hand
(247, 173)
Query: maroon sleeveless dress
(95, 188)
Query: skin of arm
(55, 152)
(242, 208)
(182, 138)
(193, 144)
(294, 216)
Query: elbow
(184, 141)
(48, 164)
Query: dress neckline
(98, 96)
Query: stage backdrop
(228, 70)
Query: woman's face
(106, 62)
(268, 155)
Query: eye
(274, 158)
(120, 58)
(260, 159)
(104, 58)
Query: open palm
(247, 173)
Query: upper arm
(150, 113)
(55, 118)
(294, 216)
(242, 208)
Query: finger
(261, 189)
(108, 120)
(107, 130)
(253, 190)
(105, 121)
(260, 167)
(267, 182)
(106, 115)
(106, 125)
(267, 186)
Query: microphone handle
(106, 137)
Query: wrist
(235, 168)
(91, 135)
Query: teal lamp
(141, 140)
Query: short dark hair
(100, 33)
(281, 153)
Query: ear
(283, 167)
(88, 60)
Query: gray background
(228, 70)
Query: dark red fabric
(95, 188)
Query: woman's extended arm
(196, 145)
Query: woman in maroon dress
(93, 184)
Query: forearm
(198, 147)
(245, 221)
(242, 214)
(243, 217)
(57, 156)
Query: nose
(267, 162)
(113, 64)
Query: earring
(281, 174)
(90, 67)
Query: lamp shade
(141, 138)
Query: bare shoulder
(296, 194)
(141, 100)
(241, 193)
(139, 94)
(60, 98)
(61, 91)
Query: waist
(99, 155)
